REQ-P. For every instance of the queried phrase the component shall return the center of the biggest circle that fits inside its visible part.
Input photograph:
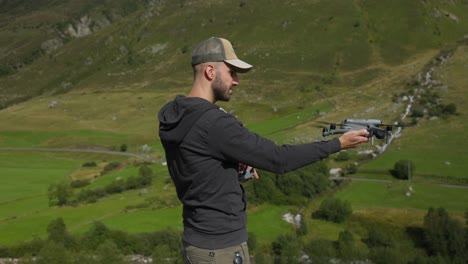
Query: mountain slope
(56, 46)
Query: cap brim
(240, 66)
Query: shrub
(417, 113)
(286, 248)
(379, 237)
(89, 164)
(109, 167)
(116, 186)
(123, 147)
(351, 168)
(53, 253)
(79, 183)
(321, 250)
(252, 241)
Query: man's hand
(353, 138)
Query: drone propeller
(395, 125)
(327, 123)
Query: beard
(220, 90)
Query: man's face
(223, 82)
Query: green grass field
(393, 195)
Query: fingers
(353, 138)
(256, 175)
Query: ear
(210, 72)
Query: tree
(320, 250)
(265, 190)
(59, 194)
(289, 184)
(346, 247)
(385, 255)
(286, 248)
(378, 237)
(314, 184)
(109, 253)
(333, 209)
(97, 235)
(53, 253)
(403, 169)
(57, 232)
(445, 236)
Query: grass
(393, 195)
(29, 174)
(265, 221)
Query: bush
(264, 190)
(302, 229)
(53, 253)
(89, 164)
(351, 168)
(286, 249)
(109, 167)
(252, 241)
(347, 248)
(321, 250)
(116, 186)
(79, 183)
(333, 209)
(59, 194)
(378, 237)
(342, 156)
(123, 147)
(417, 113)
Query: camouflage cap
(218, 49)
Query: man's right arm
(229, 140)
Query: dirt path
(129, 154)
(390, 181)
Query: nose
(235, 79)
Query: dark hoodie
(204, 146)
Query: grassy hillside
(107, 67)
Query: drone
(374, 127)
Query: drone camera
(380, 134)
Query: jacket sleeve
(229, 140)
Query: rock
(54, 104)
(51, 45)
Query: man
(205, 148)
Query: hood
(177, 117)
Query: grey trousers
(195, 255)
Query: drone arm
(326, 132)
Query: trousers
(195, 255)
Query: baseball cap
(218, 49)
